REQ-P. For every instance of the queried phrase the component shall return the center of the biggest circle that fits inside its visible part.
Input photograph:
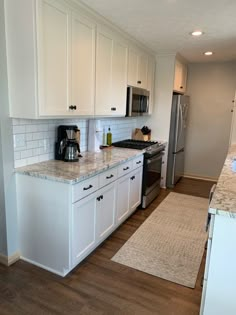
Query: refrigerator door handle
(181, 123)
(182, 150)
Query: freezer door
(178, 166)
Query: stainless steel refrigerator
(178, 123)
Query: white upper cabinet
(151, 82)
(58, 54)
(137, 68)
(83, 64)
(180, 78)
(54, 52)
(111, 74)
(64, 62)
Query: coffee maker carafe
(67, 145)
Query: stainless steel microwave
(137, 102)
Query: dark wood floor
(98, 285)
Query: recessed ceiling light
(208, 53)
(196, 33)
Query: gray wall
(8, 213)
(211, 87)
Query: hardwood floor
(98, 285)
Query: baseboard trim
(9, 260)
(206, 178)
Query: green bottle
(109, 137)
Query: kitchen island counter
(224, 198)
(90, 164)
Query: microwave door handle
(141, 104)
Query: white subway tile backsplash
(18, 129)
(34, 140)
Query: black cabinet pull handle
(86, 188)
(125, 168)
(99, 198)
(108, 177)
(113, 108)
(72, 107)
(132, 178)
(181, 87)
(138, 162)
(139, 82)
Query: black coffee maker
(67, 145)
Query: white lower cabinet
(60, 224)
(128, 194)
(83, 228)
(123, 187)
(105, 211)
(135, 191)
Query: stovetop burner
(135, 144)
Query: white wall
(8, 213)
(211, 87)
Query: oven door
(152, 172)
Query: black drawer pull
(125, 168)
(181, 87)
(138, 162)
(86, 188)
(139, 82)
(132, 178)
(113, 108)
(108, 177)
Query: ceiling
(164, 25)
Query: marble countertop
(224, 198)
(73, 172)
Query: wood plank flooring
(98, 285)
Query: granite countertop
(224, 198)
(73, 172)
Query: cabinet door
(151, 82)
(180, 77)
(135, 189)
(142, 70)
(119, 78)
(103, 102)
(54, 52)
(133, 67)
(83, 228)
(123, 191)
(83, 65)
(105, 211)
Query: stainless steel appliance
(67, 145)
(175, 165)
(153, 152)
(137, 101)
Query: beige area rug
(170, 243)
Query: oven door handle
(154, 159)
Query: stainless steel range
(153, 153)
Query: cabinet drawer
(137, 162)
(108, 177)
(125, 168)
(84, 188)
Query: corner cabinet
(137, 68)
(180, 78)
(111, 74)
(51, 59)
(60, 224)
